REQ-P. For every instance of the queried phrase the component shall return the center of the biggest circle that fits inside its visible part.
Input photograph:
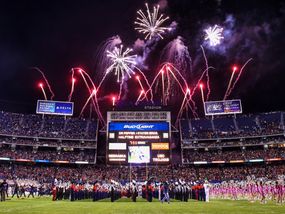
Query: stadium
(154, 124)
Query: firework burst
(150, 23)
(121, 62)
(214, 35)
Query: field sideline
(45, 205)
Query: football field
(45, 205)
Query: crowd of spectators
(47, 126)
(51, 154)
(231, 127)
(248, 153)
(235, 142)
(47, 143)
(93, 173)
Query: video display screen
(139, 154)
(138, 142)
(223, 107)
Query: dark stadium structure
(44, 147)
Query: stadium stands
(89, 173)
(27, 153)
(244, 138)
(47, 126)
(38, 148)
(50, 139)
(234, 154)
(230, 127)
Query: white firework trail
(150, 23)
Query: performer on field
(16, 189)
(149, 190)
(165, 189)
(3, 190)
(134, 191)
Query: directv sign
(54, 107)
(222, 107)
(150, 126)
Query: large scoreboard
(138, 137)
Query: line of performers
(180, 191)
(22, 190)
(74, 191)
(163, 191)
(252, 190)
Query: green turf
(45, 205)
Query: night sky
(58, 35)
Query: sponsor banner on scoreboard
(160, 146)
(136, 126)
(160, 158)
(23, 160)
(60, 161)
(255, 160)
(117, 146)
(117, 157)
(218, 161)
(236, 161)
(200, 162)
(274, 159)
(54, 107)
(6, 159)
(42, 161)
(223, 107)
(81, 162)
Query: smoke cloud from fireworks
(176, 52)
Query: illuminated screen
(117, 146)
(138, 154)
(54, 107)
